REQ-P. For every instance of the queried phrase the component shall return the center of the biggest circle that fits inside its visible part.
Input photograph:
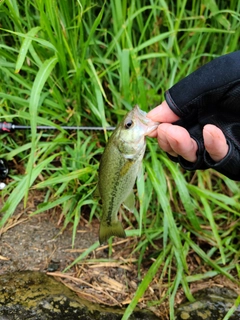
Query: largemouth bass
(119, 167)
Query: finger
(162, 113)
(181, 143)
(215, 142)
(162, 137)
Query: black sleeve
(211, 95)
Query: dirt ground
(38, 243)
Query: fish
(119, 166)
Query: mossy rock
(36, 296)
(211, 304)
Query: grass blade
(145, 283)
(38, 84)
(24, 48)
(18, 193)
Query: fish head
(132, 131)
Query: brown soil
(38, 243)
(35, 242)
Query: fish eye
(128, 124)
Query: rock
(35, 296)
(211, 304)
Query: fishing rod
(6, 127)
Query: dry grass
(114, 282)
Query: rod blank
(9, 127)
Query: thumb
(163, 113)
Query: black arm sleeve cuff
(209, 84)
(229, 165)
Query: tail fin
(106, 231)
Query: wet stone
(35, 296)
(211, 304)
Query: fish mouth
(140, 113)
(150, 124)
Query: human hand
(176, 140)
(200, 119)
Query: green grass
(78, 63)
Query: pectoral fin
(140, 171)
(129, 202)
